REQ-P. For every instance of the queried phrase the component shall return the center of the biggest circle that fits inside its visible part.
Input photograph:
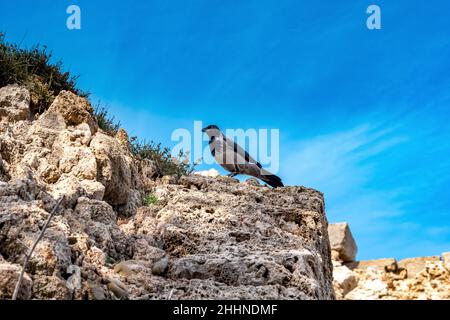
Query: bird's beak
(204, 130)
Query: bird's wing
(233, 146)
(212, 146)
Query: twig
(30, 252)
(170, 295)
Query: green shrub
(162, 157)
(105, 120)
(33, 68)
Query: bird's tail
(272, 180)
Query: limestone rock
(96, 210)
(422, 278)
(113, 168)
(341, 240)
(122, 138)
(127, 268)
(74, 109)
(344, 280)
(74, 281)
(160, 267)
(143, 251)
(14, 103)
(370, 287)
(200, 229)
(96, 291)
(9, 274)
(147, 172)
(205, 238)
(388, 264)
(414, 266)
(252, 182)
(433, 282)
(51, 120)
(118, 289)
(51, 288)
(446, 259)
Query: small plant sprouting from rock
(150, 199)
(105, 120)
(165, 163)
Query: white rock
(344, 280)
(74, 281)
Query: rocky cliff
(424, 278)
(199, 238)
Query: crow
(235, 159)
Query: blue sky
(363, 115)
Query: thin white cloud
(340, 161)
(343, 165)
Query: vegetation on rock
(165, 163)
(150, 199)
(34, 69)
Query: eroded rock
(422, 278)
(14, 103)
(113, 168)
(344, 280)
(204, 237)
(9, 275)
(74, 109)
(413, 266)
(342, 241)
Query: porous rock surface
(422, 278)
(204, 237)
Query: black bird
(235, 159)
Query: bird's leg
(232, 174)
